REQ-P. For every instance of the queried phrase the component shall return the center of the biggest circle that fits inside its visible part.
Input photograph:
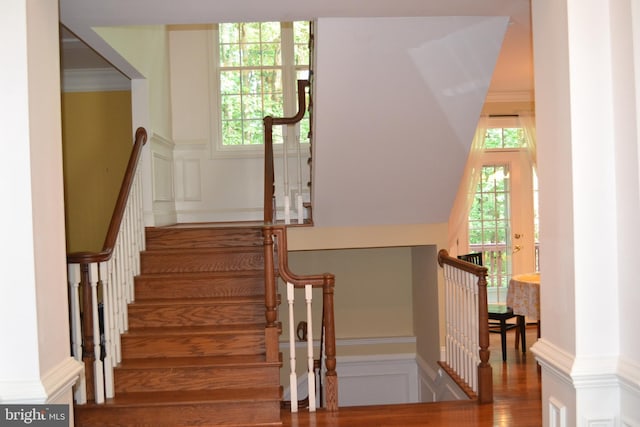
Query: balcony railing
(276, 266)
(467, 327)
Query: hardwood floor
(516, 400)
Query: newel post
(485, 373)
(269, 173)
(271, 314)
(331, 376)
(88, 353)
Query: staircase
(195, 350)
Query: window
(497, 138)
(503, 217)
(259, 64)
(490, 226)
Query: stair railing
(276, 266)
(101, 286)
(466, 327)
(269, 122)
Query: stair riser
(206, 414)
(190, 378)
(195, 315)
(169, 319)
(136, 347)
(151, 287)
(185, 238)
(187, 261)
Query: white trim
(50, 387)
(375, 341)
(94, 80)
(348, 342)
(629, 374)
(557, 413)
(590, 372)
(555, 359)
(580, 372)
(160, 141)
(59, 381)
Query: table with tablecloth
(523, 295)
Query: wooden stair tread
(195, 352)
(204, 274)
(224, 300)
(197, 330)
(183, 362)
(169, 398)
(224, 250)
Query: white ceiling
(513, 72)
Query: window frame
(289, 76)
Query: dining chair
(500, 313)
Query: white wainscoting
(377, 379)
(629, 373)
(162, 180)
(589, 391)
(393, 375)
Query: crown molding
(94, 80)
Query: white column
(35, 362)
(589, 202)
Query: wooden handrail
(87, 258)
(269, 170)
(326, 281)
(118, 210)
(485, 380)
(444, 258)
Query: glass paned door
(490, 228)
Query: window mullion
(288, 69)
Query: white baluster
(106, 310)
(299, 205)
(285, 173)
(98, 375)
(308, 293)
(114, 332)
(287, 209)
(300, 208)
(293, 378)
(73, 277)
(128, 246)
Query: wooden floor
(516, 400)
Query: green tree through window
(259, 65)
